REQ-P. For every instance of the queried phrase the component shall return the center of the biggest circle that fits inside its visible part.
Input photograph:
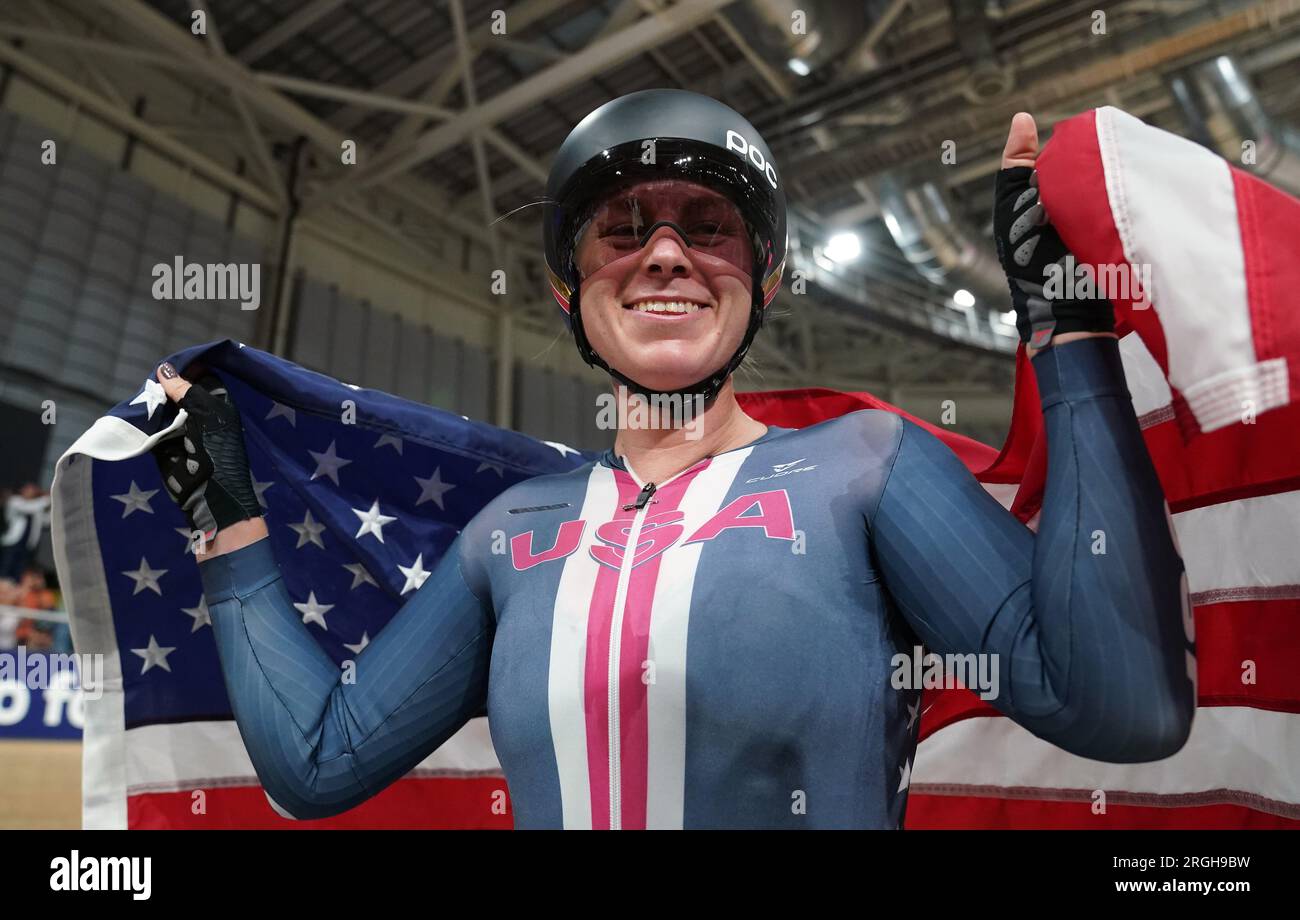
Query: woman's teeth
(665, 306)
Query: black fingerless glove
(1028, 245)
(205, 468)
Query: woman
(700, 628)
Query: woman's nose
(666, 254)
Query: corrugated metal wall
(362, 343)
(78, 241)
(79, 324)
(352, 339)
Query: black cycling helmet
(695, 138)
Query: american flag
(360, 506)
(363, 492)
(1212, 362)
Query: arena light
(963, 298)
(799, 66)
(843, 247)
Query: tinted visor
(705, 222)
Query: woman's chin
(667, 376)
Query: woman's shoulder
(871, 430)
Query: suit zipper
(641, 505)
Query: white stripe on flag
(191, 755)
(995, 752)
(80, 565)
(1247, 543)
(1146, 381)
(1197, 264)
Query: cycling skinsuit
(737, 669)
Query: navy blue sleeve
(1086, 619)
(322, 739)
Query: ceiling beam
(237, 77)
(441, 63)
(636, 39)
(91, 45)
(299, 86)
(286, 29)
(126, 121)
(261, 149)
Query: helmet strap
(707, 388)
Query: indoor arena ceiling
(868, 97)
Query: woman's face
(668, 313)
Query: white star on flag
(356, 649)
(494, 467)
(154, 654)
(433, 489)
(146, 577)
(906, 772)
(260, 488)
(564, 449)
(135, 499)
(359, 574)
(372, 522)
(285, 412)
(913, 712)
(313, 612)
(200, 613)
(152, 396)
(390, 440)
(415, 575)
(308, 531)
(328, 463)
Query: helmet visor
(709, 226)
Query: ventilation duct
(943, 248)
(830, 29)
(1224, 114)
(988, 77)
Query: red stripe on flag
(1268, 218)
(1072, 179)
(941, 708)
(1228, 634)
(1239, 461)
(414, 803)
(1263, 632)
(957, 812)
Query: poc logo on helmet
(745, 149)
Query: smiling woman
(665, 205)
(567, 605)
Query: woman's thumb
(1022, 142)
(173, 384)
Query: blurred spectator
(26, 515)
(8, 621)
(36, 634)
